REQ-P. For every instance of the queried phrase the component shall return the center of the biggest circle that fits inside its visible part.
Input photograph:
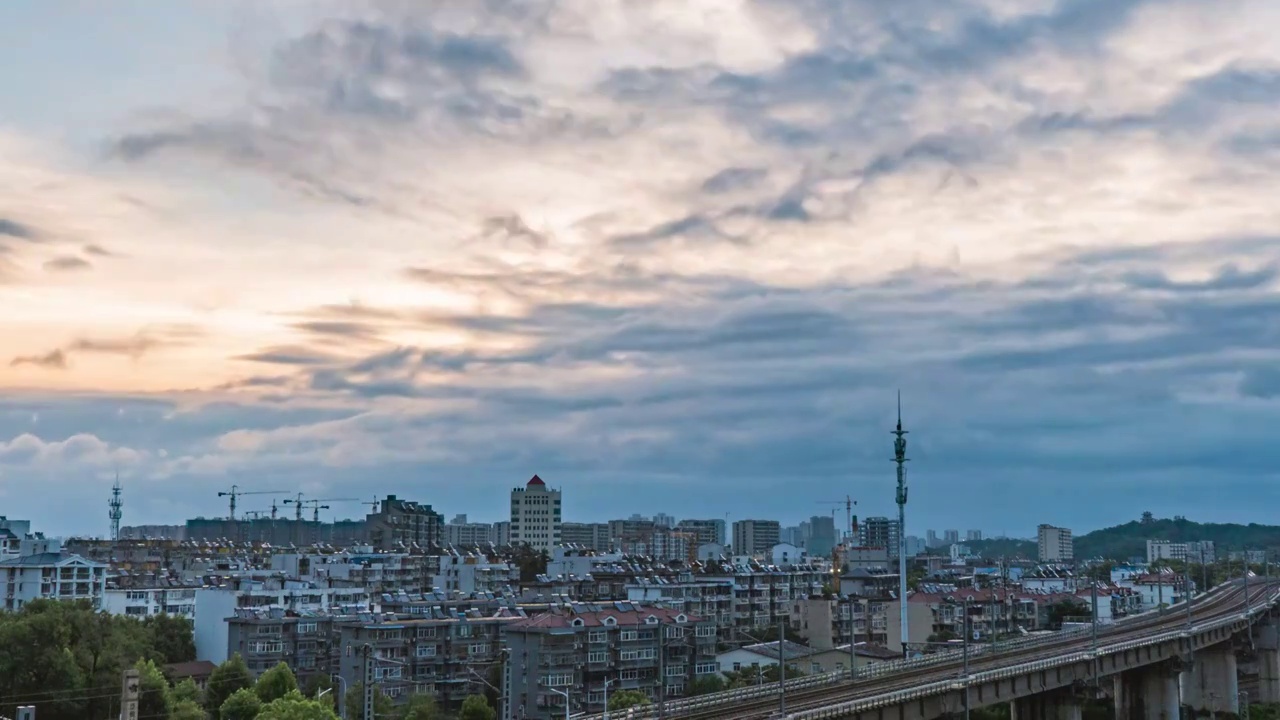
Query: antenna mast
(116, 503)
(900, 458)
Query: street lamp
(566, 700)
(782, 666)
(607, 683)
(342, 695)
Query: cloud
(67, 263)
(54, 359)
(15, 229)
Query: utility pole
(367, 653)
(1247, 607)
(853, 655)
(782, 671)
(900, 458)
(662, 672)
(965, 670)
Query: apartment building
(473, 572)
(42, 570)
(447, 657)
(881, 532)
(755, 537)
(576, 649)
(535, 515)
(1054, 544)
(401, 524)
(590, 536)
(460, 533)
(1196, 552)
(706, 531)
(647, 538)
(146, 602)
(215, 605)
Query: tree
(475, 707)
(382, 705)
(421, 707)
(1067, 608)
(224, 681)
(295, 707)
(187, 710)
(707, 684)
(276, 683)
(624, 699)
(186, 691)
(153, 690)
(172, 638)
(242, 705)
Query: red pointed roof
(535, 480)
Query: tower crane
(850, 522)
(234, 493)
(373, 506)
(315, 505)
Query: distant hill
(1130, 539)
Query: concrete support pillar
(1210, 685)
(1147, 694)
(1047, 706)
(1267, 645)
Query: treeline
(68, 660)
(1129, 540)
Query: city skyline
(665, 259)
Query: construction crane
(315, 505)
(850, 522)
(234, 493)
(254, 514)
(373, 506)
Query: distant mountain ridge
(1122, 542)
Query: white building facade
(1054, 544)
(535, 516)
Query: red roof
(535, 480)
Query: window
(673, 670)
(598, 636)
(463, 631)
(478, 648)
(426, 651)
(598, 657)
(706, 668)
(393, 692)
(648, 654)
(815, 668)
(265, 646)
(268, 629)
(629, 675)
(558, 680)
(426, 632)
(387, 672)
(629, 635)
(307, 628)
(706, 631)
(630, 655)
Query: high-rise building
(822, 535)
(535, 515)
(753, 537)
(794, 535)
(1054, 544)
(402, 523)
(708, 531)
(460, 533)
(594, 536)
(931, 539)
(972, 535)
(950, 537)
(664, 520)
(880, 532)
(914, 545)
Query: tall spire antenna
(900, 458)
(116, 503)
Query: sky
(671, 256)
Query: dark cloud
(288, 355)
(340, 329)
(67, 263)
(97, 251)
(1261, 383)
(735, 178)
(13, 228)
(54, 360)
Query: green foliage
(531, 562)
(770, 634)
(172, 638)
(1009, 548)
(1264, 711)
(421, 707)
(624, 699)
(707, 684)
(1130, 539)
(52, 653)
(757, 675)
(475, 707)
(242, 705)
(186, 710)
(1067, 608)
(991, 712)
(382, 705)
(293, 706)
(224, 681)
(186, 691)
(153, 690)
(942, 636)
(275, 683)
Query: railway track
(1215, 605)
